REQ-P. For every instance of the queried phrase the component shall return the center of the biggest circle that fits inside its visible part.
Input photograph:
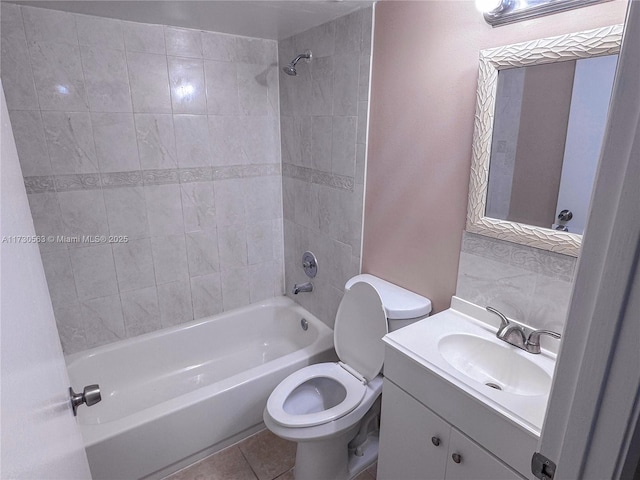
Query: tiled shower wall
(167, 136)
(525, 283)
(323, 131)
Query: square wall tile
(260, 242)
(260, 140)
(116, 145)
(218, 46)
(343, 146)
(57, 71)
(222, 88)
(202, 253)
(149, 82)
(145, 38)
(321, 39)
(322, 86)
(235, 288)
(47, 218)
(28, 132)
(103, 320)
(263, 280)
(186, 79)
(94, 271)
(206, 295)
(198, 206)
(321, 142)
(346, 77)
(192, 140)
(69, 137)
(170, 258)
(70, 328)
(174, 301)
(106, 78)
(140, 310)
(265, 202)
(126, 211)
(57, 269)
(183, 42)
(227, 147)
(230, 199)
(349, 33)
(43, 25)
(253, 88)
(134, 264)
(17, 74)
(232, 245)
(83, 213)
(256, 50)
(99, 32)
(156, 141)
(164, 209)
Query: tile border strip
(316, 176)
(96, 181)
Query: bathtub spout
(302, 287)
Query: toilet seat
(355, 391)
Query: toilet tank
(402, 306)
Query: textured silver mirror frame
(589, 43)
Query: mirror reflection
(548, 128)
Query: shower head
(291, 68)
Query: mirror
(547, 133)
(540, 119)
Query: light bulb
(486, 6)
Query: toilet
(332, 409)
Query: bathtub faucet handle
(90, 395)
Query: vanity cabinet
(415, 443)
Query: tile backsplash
(525, 283)
(167, 136)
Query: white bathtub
(176, 395)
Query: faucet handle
(533, 342)
(504, 321)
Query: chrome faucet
(519, 336)
(302, 287)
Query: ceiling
(253, 18)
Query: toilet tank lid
(398, 302)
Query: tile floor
(262, 456)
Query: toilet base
(332, 459)
(324, 459)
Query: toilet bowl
(332, 409)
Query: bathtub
(179, 394)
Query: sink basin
(501, 367)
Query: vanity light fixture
(501, 12)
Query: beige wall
(423, 93)
(546, 102)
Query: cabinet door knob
(456, 458)
(435, 441)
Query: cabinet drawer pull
(435, 441)
(456, 458)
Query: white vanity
(457, 402)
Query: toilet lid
(354, 393)
(361, 322)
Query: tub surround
(168, 136)
(323, 129)
(181, 388)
